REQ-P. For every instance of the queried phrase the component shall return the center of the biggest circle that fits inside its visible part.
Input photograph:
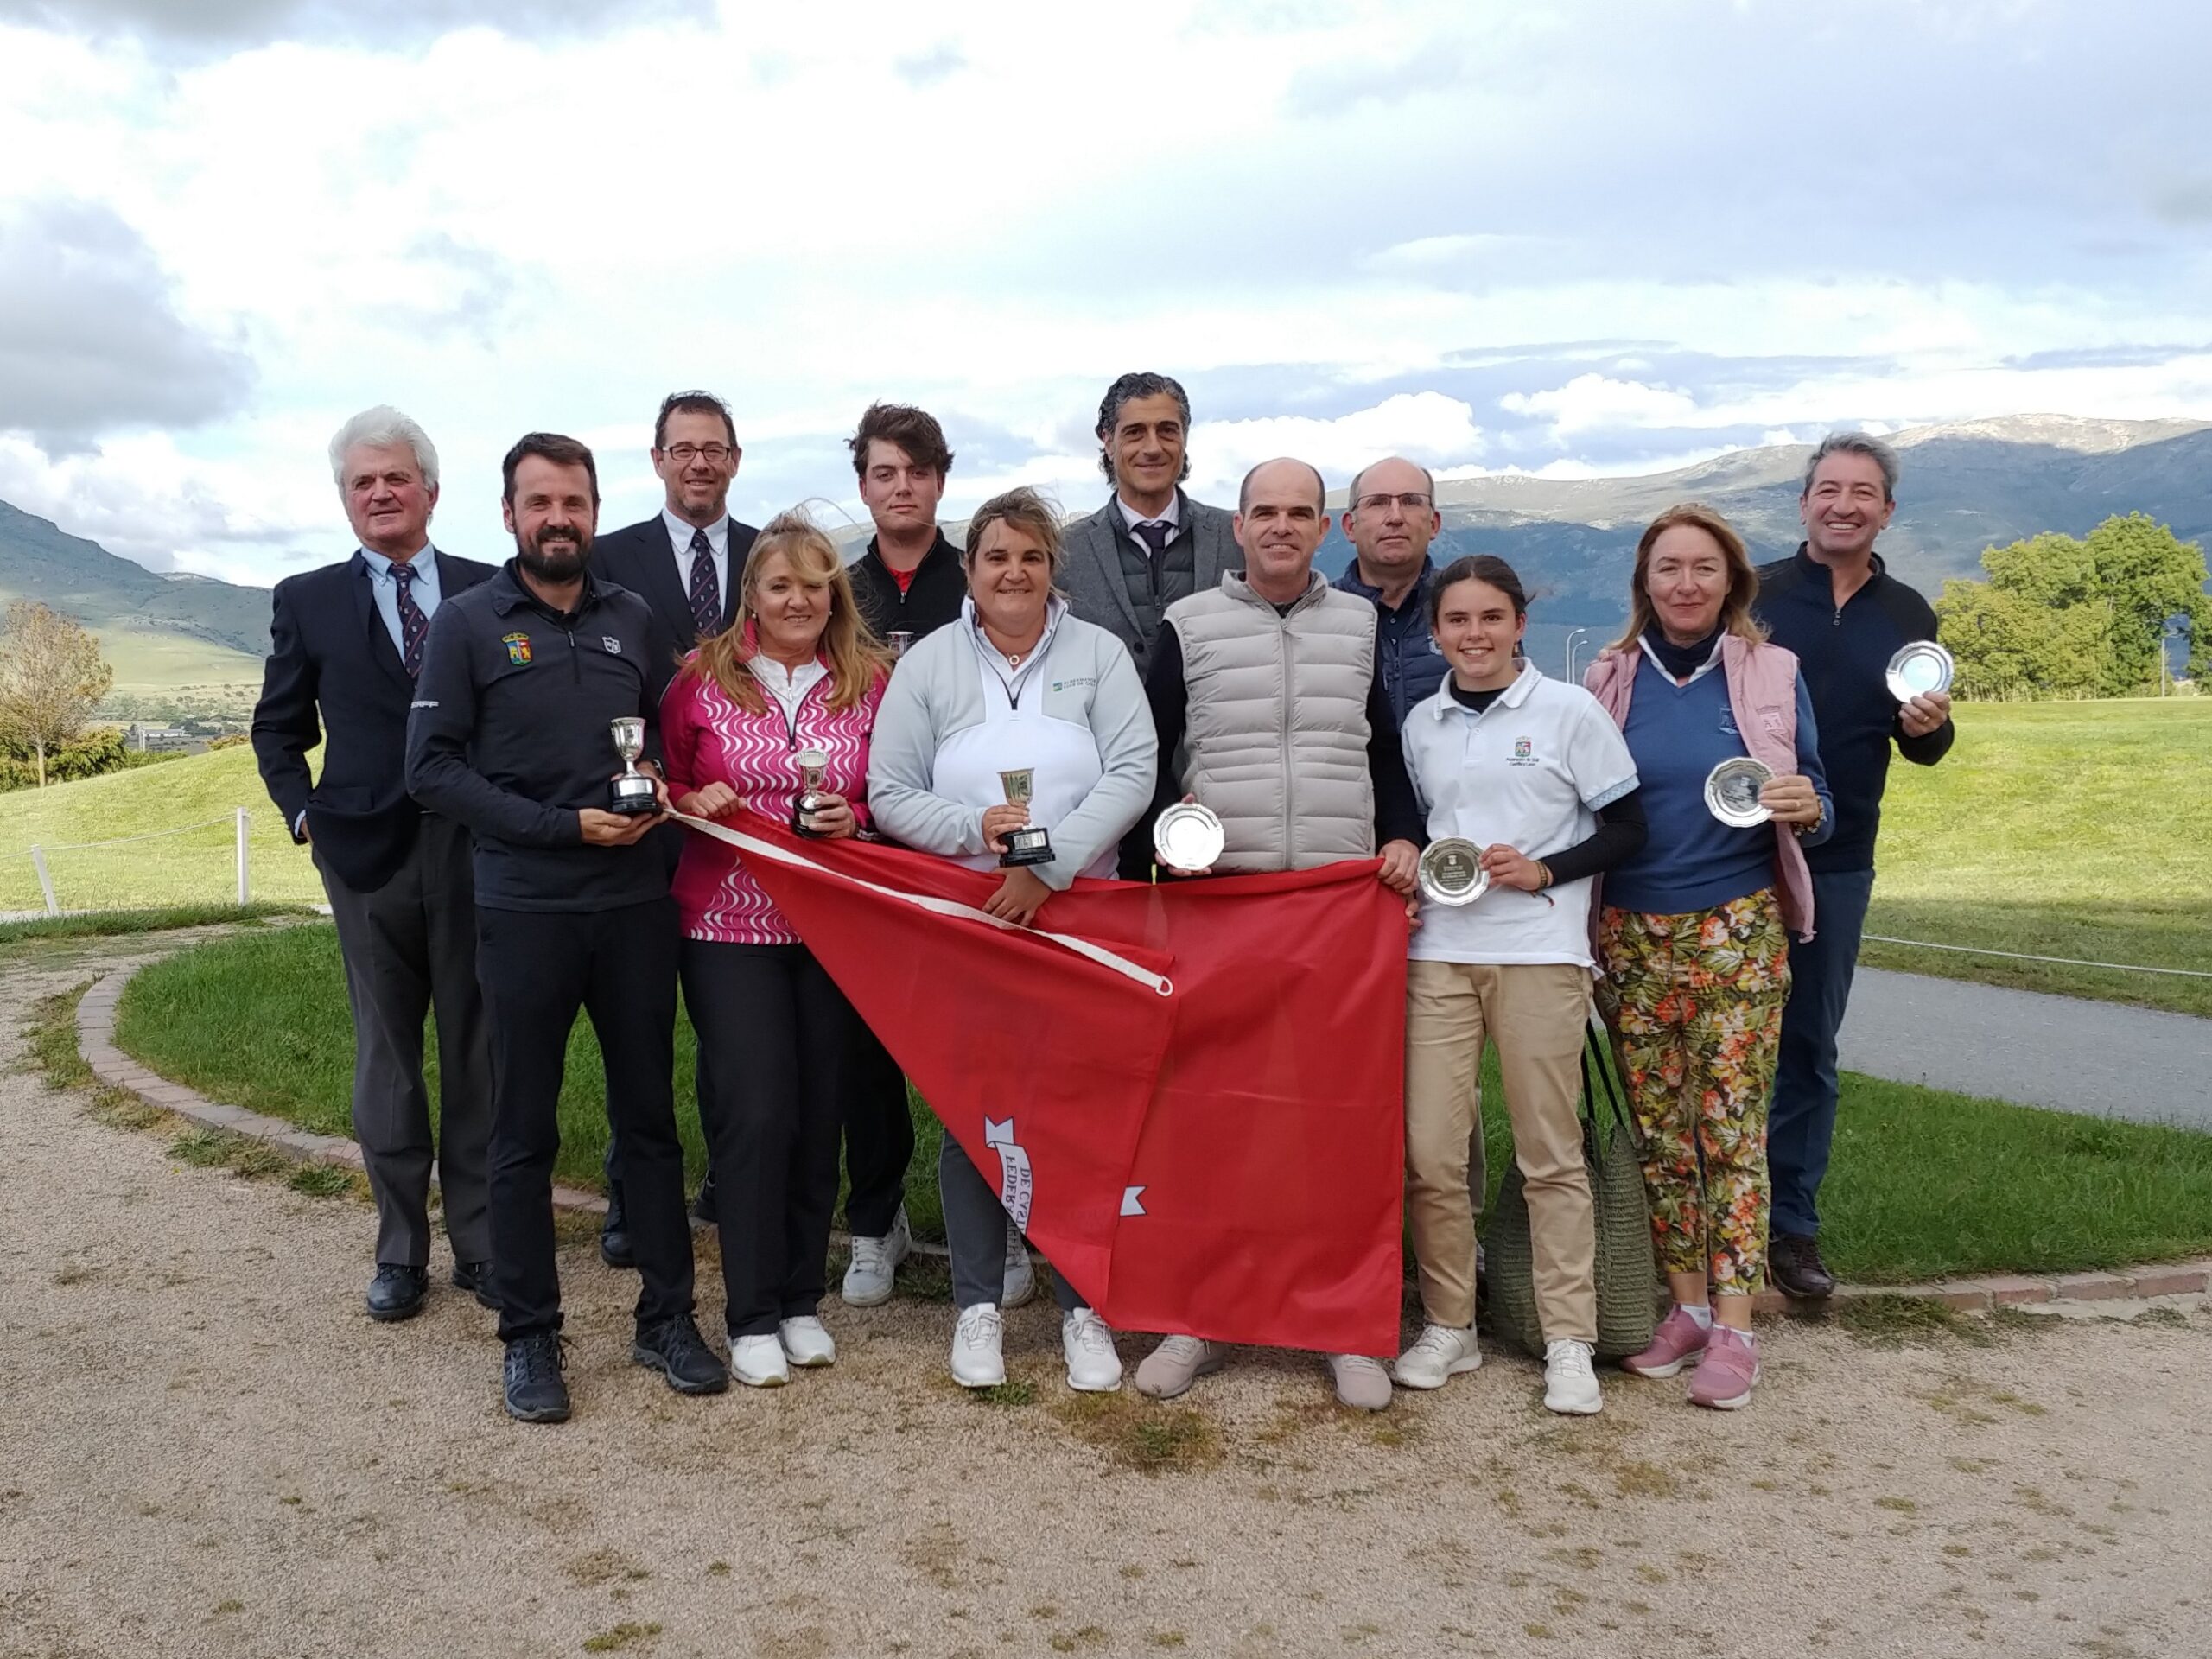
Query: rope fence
(2021, 955)
(240, 818)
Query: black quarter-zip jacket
(1843, 653)
(509, 734)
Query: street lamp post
(1573, 635)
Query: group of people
(1158, 651)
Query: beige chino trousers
(1537, 1013)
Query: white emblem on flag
(1132, 1200)
(1017, 1185)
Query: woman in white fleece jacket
(1017, 682)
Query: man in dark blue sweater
(1844, 616)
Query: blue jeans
(1801, 1125)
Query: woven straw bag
(1627, 1275)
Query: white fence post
(242, 881)
(44, 880)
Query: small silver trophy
(899, 639)
(1188, 837)
(1732, 792)
(1452, 872)
(1030, 844)
(813, 771)
(1920, 669)
(631, 792)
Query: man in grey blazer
(1150, 544)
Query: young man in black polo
(1839, 609)
(510, 735)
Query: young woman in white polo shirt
(1533, 773)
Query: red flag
(1222, 1155)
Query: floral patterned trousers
(1696, 1004)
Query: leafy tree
(51, 678)
(2063, 617)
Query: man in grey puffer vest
(1272, 678)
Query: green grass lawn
(2060, 829)
(2057, 828)
(1925, 1182)
(198, 866)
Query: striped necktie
(413, 625)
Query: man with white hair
(346, 645)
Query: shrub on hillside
(88, 756)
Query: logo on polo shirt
(518, 646)
(1523, 753)
(614, 645)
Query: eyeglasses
(685, 454)
(1411, 503)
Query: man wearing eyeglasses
(1389, 518)
(686, 562)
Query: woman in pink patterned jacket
(799, 670)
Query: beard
(563, 560)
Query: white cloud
(497, 231)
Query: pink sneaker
(1731, 1366)
(1678, 1342)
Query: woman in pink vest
(1692, 929)
(799, 671)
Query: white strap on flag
(753, 846)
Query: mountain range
(1964, 486)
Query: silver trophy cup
(631, 793)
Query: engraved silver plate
(1188, 837)
(1452, 872)
(1919, 669)
(1732, 792)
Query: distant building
(157, 740)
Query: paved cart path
(207, 1451)
(2066, 1053)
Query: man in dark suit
(345, 644)
(1150, 544)
(687, 563)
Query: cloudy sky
(1498, 235)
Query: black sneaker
(615, 1232)
(674, 1349)
(534, 1392)
(476, 1278)
(397, 1292)
(1795, 1267)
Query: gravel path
(209, 1451)
(2066, 1053)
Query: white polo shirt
(1529, 770)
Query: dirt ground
(206, 1449)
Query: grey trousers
(411, 947)
(975, 1234)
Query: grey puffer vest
(1278, 733)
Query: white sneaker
(806, 1342)
(1438, 1353)
(977, 1361)
(1094, 1366)
(759, 1362)
(1570, 1383)
(1362, 1383)
(1169, 1369)
(1021, 1277)
(868, 1277)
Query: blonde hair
(856, 657)
(1736, 616)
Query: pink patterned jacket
(706, 738)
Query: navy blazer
(333, 677)
(642, 558)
